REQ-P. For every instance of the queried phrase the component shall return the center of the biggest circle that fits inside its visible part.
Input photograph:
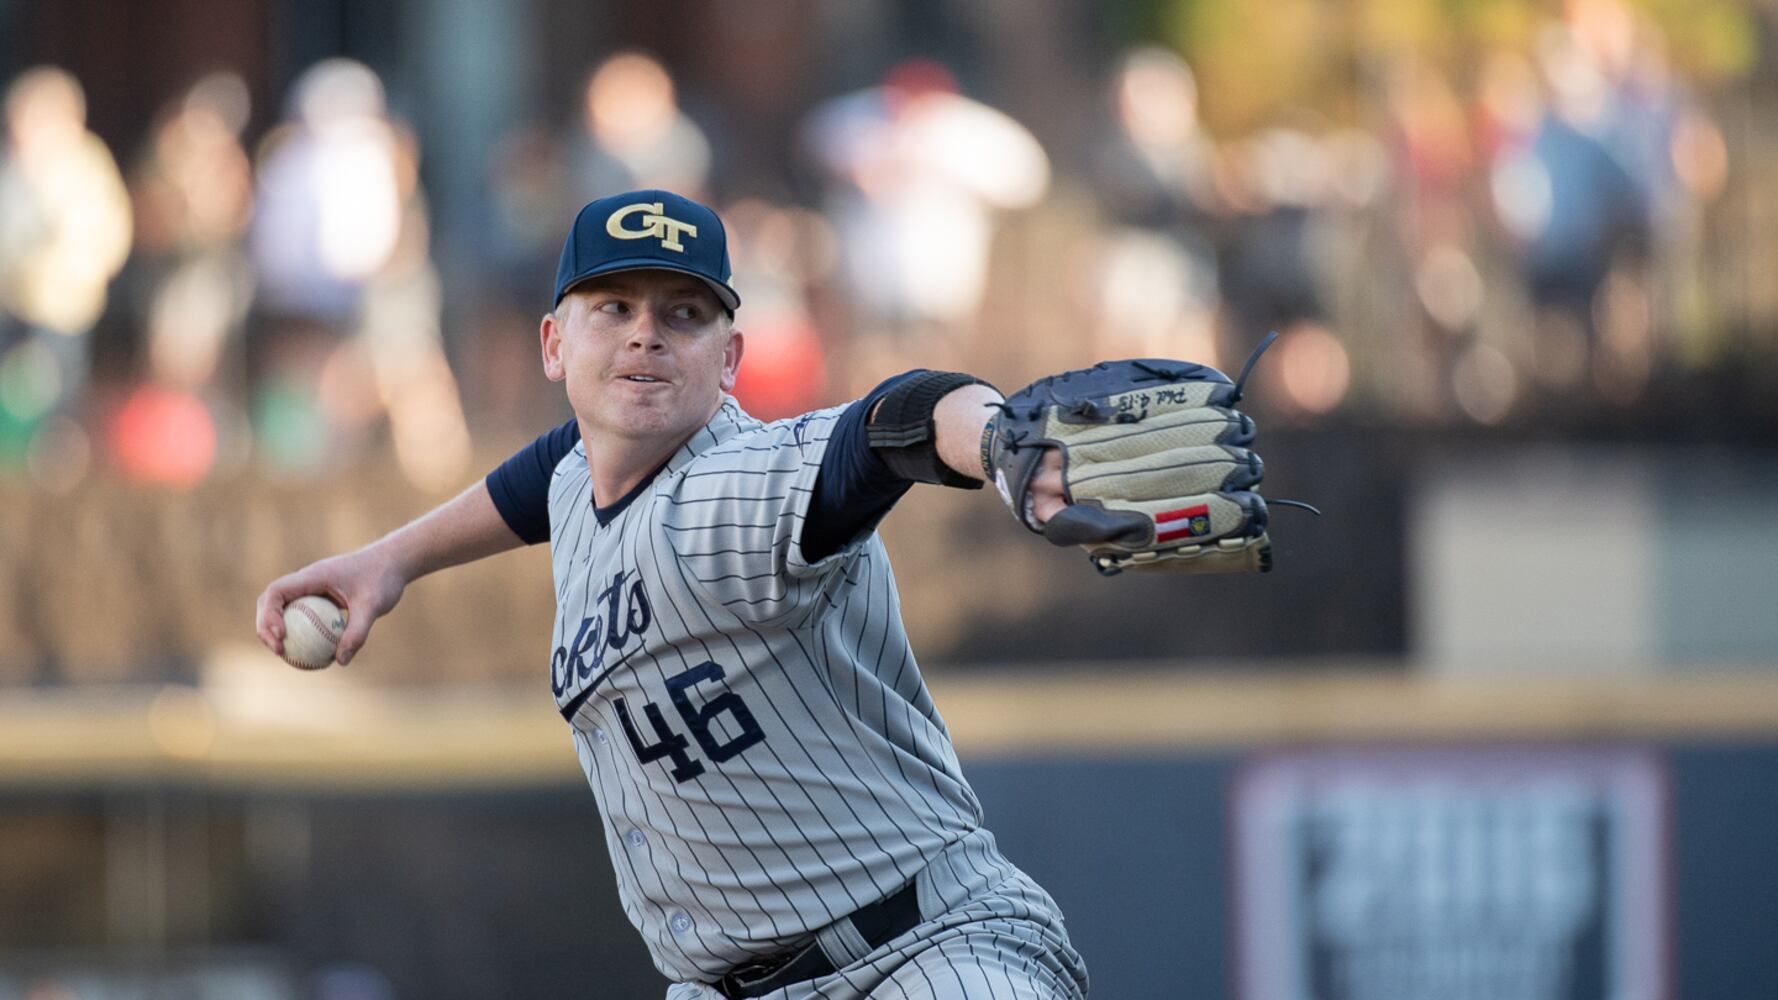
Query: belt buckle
(876, 924)
(752, 973)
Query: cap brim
(724, 293)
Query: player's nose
(645, 332)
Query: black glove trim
(902, 433)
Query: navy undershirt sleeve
(854, 489)
(520, 485)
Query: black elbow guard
(902, 434)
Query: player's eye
(686, 311)
(613, 306)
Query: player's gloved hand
(1154, 466)
(367, 583)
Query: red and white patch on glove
(1186, 522)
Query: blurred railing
(249, 730)
(119, 584)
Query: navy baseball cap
(647, 230)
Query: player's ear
(731, 360)
(549, 333)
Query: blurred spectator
(631, 134)
(194, 197)
(1570, 203)
(1156, 278)
(64, 232)
(779, 253)
(400, 336)
(634, 135)
(328, 208)
(1676, 157)
(1159, 165)
(193, 193)
(917, 171)
(326, 216)
(1435, 157)
(340, 241)
(1278, 183)
(529, 211)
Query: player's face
(646, 355)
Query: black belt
(878, 923)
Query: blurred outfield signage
(1416, 874)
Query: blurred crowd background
(282, 263)
(271, 273)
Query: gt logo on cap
(654, 224)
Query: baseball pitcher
(782, 805)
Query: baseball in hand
(312, 629)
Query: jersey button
(635, 838)
(680, 923)
(599, 734)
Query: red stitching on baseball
(320, 626)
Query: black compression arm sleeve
(520, 485)
(902, 432)
(854, 489)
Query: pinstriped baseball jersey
(765, 753)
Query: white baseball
(312, 629)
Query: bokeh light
(1484, 384)
(630, 100)
(1700, 156)
(60, 456)
(1450, 286)
(1157, 97)
(30, 381)
(163, 437)
(1313, 368)
(1523, 196)
(291, 428)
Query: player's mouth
(642, 379)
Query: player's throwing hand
(367, 583)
